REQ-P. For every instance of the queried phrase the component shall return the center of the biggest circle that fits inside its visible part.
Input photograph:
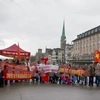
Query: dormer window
(96, 30)
(92, 31)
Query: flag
(45, 77)
(97, 56)
(44, 60)
(18, 52)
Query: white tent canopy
(3, 57)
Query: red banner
(13, 66)
(79, 72)
(17, 75)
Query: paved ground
(29, 91)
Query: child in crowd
(63, 78)
(68, 80)
(81, 80)
(74, 79)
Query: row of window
(88, 50)
(82, 57)
(87, 45)
(97, 29)
(89, 39)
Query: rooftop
(88, 33)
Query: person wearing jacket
(1, 78)
(97, 73)
(85, 68)
(91, 75)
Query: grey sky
(38, 23)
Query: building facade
(48, 54)
(39, 55)
(86, 43)
(68, 51)
(54, 55)
(57, 55)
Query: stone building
(68, 52)
(39, 55)
(85, 45)
(48, 54)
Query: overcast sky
(38, 23)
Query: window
(90, 38)
(99, 28)
(99, 42)
(91, 43)
(92, 31)
(94, 38)
(99, 35)
(87, 50)
(88, 32)
(90, 48)
(82, 34)
(78, 36)
(87, 40)
(96, 30)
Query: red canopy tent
(12, 51)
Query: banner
(13, 66)
(79, 72)
(17, 75)
(48, 68)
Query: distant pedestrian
(91, 75)
(97, 73)
(85, 68)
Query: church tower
(63, 37)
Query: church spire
(63, 37)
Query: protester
(63, 78)
(58, 76)
(97, 72)
(85, 68)
(1, 78)
(36, 75)
(68, 80)
(91, 75)
(5, 68)
(82, 80)
(73, 79)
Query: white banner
(48, 68)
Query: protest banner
(79, 72)
(17, 75)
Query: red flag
(45, 77)
(18, 52)
(44, 60)
(97, 56)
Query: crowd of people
(92, 76)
